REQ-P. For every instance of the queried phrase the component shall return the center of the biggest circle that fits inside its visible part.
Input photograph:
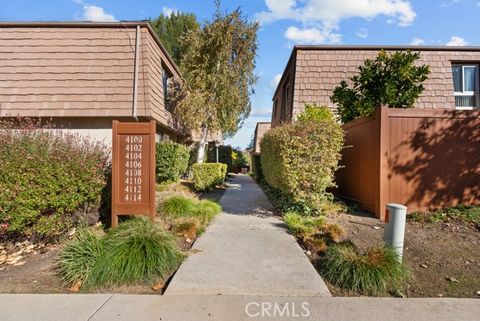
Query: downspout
(135, 73)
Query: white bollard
(394, 232)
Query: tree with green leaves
(218, 68)
(171, 28)
(391, 79)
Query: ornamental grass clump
(303, 226)
(371, 272)
(182, 206)
(206, 210)
(315, 233)
(78, 257)
(177, 206)
(136, 251)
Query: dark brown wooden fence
(423, 158)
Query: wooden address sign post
(133, 170)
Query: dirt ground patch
(444, 258)
(39, 275)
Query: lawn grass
(468, 214)
(182, 206)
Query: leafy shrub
(314, 112)
(137, 250)
(172, 161)
(208, 175)
(257, 168)
(53, 226)
(240, 158)
(224, 155)
(47, 177)
(392, 79)
(79, 256)
(300, 160)
(371, 272)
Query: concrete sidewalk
(100, 307)
(247, 251)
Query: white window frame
(468, 93)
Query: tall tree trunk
(202, 144)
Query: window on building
(465, 86)
(166, 82)
(285, 96)
(274, 113)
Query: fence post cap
(396, 206)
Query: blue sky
(285, 23)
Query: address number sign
(133, 169)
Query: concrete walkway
(103, 307)
(247, 251)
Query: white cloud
(312, 35)
(417, 42)
(362, 33)
(275, 81)
(330, 12)
(262, 113)
(168, 11)
(457, 41)
(94, 13)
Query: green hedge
(300, 160)
(172, 161)
(257, 168)
(224, 155)
(49, 180)
(207, 175)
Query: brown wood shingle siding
(319, 70)
(260, 131)
(66, 71)
(156, 62)
(71, 70)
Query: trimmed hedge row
(224, 155)
(257, 168)
(172, 161)
(300, 160)
(208, 175)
